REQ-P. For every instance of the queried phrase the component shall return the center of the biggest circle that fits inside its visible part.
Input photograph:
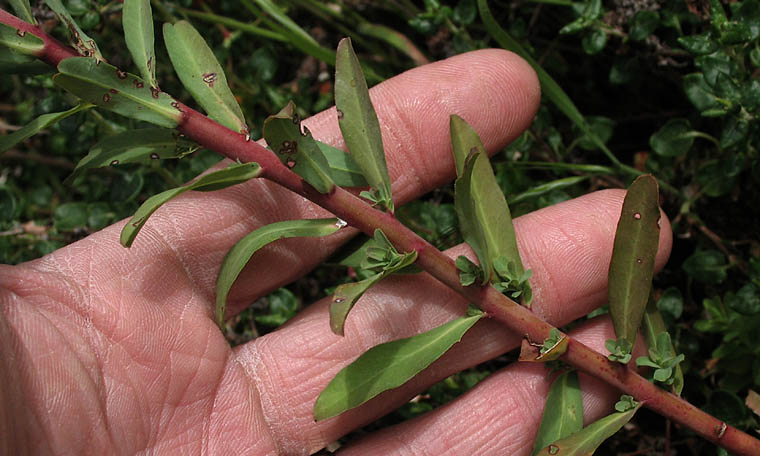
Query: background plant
(684, 100)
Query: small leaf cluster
(555, 337)
(620, 350)
(469, 272)
(662, 360)
(511, 282)
(734, 318)
(381, 255)
(626, 403)
(436, 15)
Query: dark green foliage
(630, 70)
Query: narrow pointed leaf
(142, 145)
(395, 39)
(233, 175)
(388, 366)
(545, 188)
(563, 412)
(586, 441)
(549, 86)
(296, 35)
(108, 87)
(23, 10)
(33, 127)
(491, 207)
(243, 250)
(297, 150)
(467, 212)
(137, 21)
(21, 42)
(358, 122)
(344, 298)
(85, 45)
(653, 325)
(202, 75)
(343, 169)
(633, 254)
(347, 294)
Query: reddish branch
(359, 215)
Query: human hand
(108, 350)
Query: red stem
(359, 215)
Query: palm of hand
(111, 350)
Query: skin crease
(113, 351)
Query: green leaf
(108, 87)
(34, 127)
(296, 35)
(358, 123)
(663, 359)
(620, 350)
(749, 15)
(393, 38)
(464, 140)
(553, 347)
(380, 256)
(674, 139)
(625, 403)
(137, 21)
(469, 225)
(699, 44)
(201, 74)
(644, 24)
(718, 177)
(12, 62)
(387, 366)
(735, 130)
(345, 297)
(491, 210)
(594, 41)
(23, 10)
(85, 45)
(21, 42)
(9, 204)
(589, 11)
(701, 95)
(547, 187)
(283, 305)
(600, 129)
(69, 216)
(509, 281)
(141, 145)
(671, 303)
(233, 175)
(633, 255)
(343, 169)
(746, 301)
(586, 441)
(563, 411)
(297, 150)
(239, 255)
(469, 272)
(708, 266)
(652, 326)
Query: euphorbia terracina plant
(497, 285)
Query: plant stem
(358, 214)
(232, 23)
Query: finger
(500, 415)
(568, 246)
(494, 90)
